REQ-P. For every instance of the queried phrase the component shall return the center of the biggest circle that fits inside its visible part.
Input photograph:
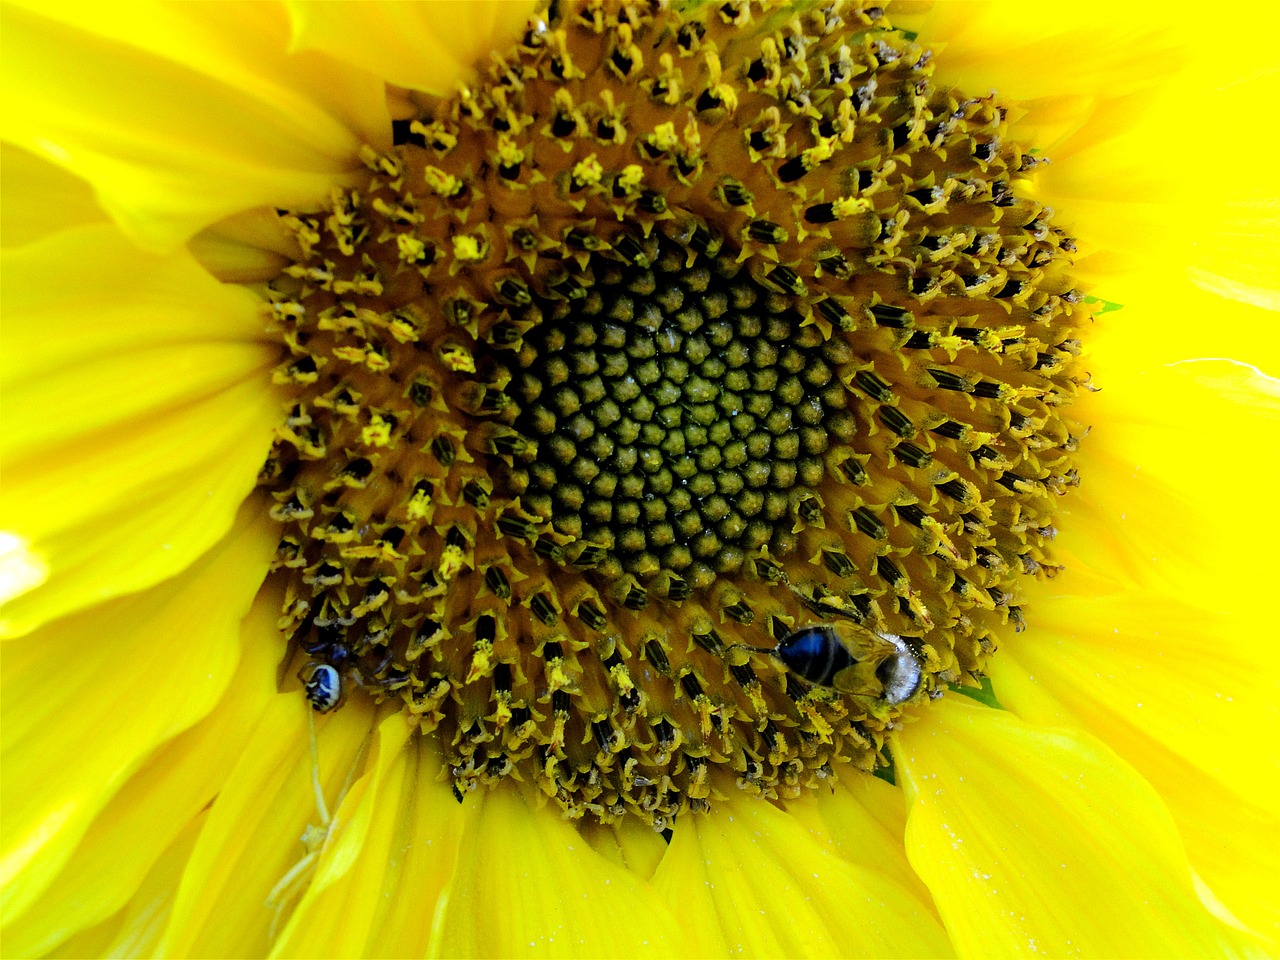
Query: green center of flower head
(675, 408)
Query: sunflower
(472, 678)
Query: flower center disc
(674, 407)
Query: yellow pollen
(468, 249)
(588, 172)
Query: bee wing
(886, 669)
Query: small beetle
(323, 686)
(820, 654)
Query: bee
(822, 653)
(322, 684)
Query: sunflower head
(684, 397)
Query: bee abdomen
(815, 653)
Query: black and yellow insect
(822, 653)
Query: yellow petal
(1237, 873)
(1161, 474)
(122, 678)
(1234, 222)
(110, 518)
(378, 879)
(1120, 191)
(690, 879)
(180, 115)
(248, 248)
(98, 333)
(135, 931)
(1183, 695)
(131, 834)
(1216, 225)
(1028, 52)
(526, 884)
(1041, 840)
(1153, 515)
(1069, 73)
(22, 568)
(777, 887)
(1124, 105)
(427, 827)
(1221, 830)
(40, 198)
(628, 842)
(865, 819)
(422, 46)
(1150, 673)
(250, 864)
(137, 415)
